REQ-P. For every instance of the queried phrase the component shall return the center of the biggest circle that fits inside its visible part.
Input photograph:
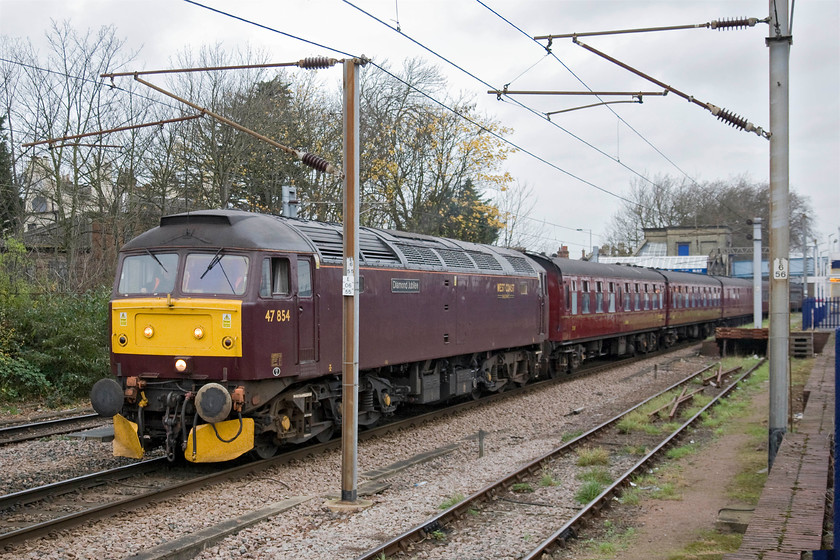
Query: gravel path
(518, 430)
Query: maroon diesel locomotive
(226, 327)
(226, 330)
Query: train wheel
(326, 435)
(369, 419)
(264, 446)
(574, 362)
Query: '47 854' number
(278, 315)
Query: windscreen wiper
(157, 260)
(213, 262)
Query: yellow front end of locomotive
(223, 441)
(165, 326)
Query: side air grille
(519, 264)
(455, 259)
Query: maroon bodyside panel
(408, 316)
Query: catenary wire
(584, 84)
(90, 80)
(441, 104)
(695, 182)
(115, 87)
(514, 101)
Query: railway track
(35, 512)
(45, 428)
(467, 516)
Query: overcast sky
(491, 41)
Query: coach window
(612, 297)
(574, 297)
(599, 297)
(585, 296)
(274, 280)
(647, 298)
(626, 297)
(637, 306)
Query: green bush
(53, 346)
(69, 339)
(19, 379)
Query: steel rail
(24, 497)
(459, 510)
(12, 434)
(568, 529)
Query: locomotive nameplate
(505, 290)
(405, 286)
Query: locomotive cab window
(151, 273)
(304, 275)
(275, 278)
(207, 273)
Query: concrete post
(779, 41)
(757, 313)
(350, 283)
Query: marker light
(198, 333)
(180, 365)
(227, 342)
(148, 332)
(123, 340)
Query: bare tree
(667, 202)
(72, 188)
(516, 204)
(418, 156)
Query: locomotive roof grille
(485, 261)
(421, 256)
(520, 264)
(455, 259)
(327, 240)
(330, 242)
(372, 248)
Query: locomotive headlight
(148, 332)
(180, 365)
(198, 333)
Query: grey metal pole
(779, 43)
(757, 313)
(350, 283)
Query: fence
(820, 313)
